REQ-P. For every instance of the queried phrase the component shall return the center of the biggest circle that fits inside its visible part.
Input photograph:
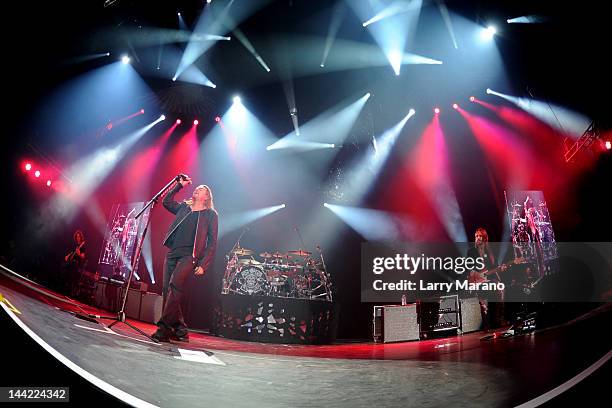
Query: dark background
(561, 61)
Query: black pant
(176, 272)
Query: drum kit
(294, 274)
(531, 227)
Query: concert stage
(213, 371)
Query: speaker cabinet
(471, 317)
(151, 307)
(132, 304)
(395, 323)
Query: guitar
(70, 257)
(482, 276)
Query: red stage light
(196, 122)
(28, 166)
(142, 111)
(178, 121)
(437, 110)
(37, 173)
(608, 145)
(455, 106)
(472, 99)
(48, 183)
(217, 119)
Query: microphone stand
(120, 318)
(325, 275)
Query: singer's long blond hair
(208, 204)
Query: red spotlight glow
(455, 106)
(217, 119)
(437, 110)
(196, 122)
(608, 145)
(37, 173)
(472, 99)
(28, 166)
(178, 121)
(48, 183)
(142, 111)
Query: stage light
(142, 111)
(196, 122)
(178, 121)
(28, 167)
(237, 99)
(178, 14)
(326, 205)
(488, 90)
(217, 119)
(368, 95)
(608, 145)
(411, 112)
(472, 99)
(163, 117)
(174, 79)
(283, 205)
(322, 65)
(455, 106)
(437, 110)
(208, 1)
(48, 183)
(108, 54)
(37, 173)
(489, 32)
(125, 59)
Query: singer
(192, 241)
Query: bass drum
(250, 280)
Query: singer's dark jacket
(205, 243)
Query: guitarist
(74, 262)
(492, 311)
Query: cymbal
(278, 255)
(299, 252)
(266, 255)
(242, 252)
(249, 262)
(517, 205)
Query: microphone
(183, 176)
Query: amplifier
(395, 323)
(439, 314)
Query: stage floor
(212, 371)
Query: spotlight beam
(361, 176)
(89, 172)
(570, 123)
(342, 120)
(447, 21)
(373, 225)
(247, 44)
(393, 9)
(232, 222)
(337, 16)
